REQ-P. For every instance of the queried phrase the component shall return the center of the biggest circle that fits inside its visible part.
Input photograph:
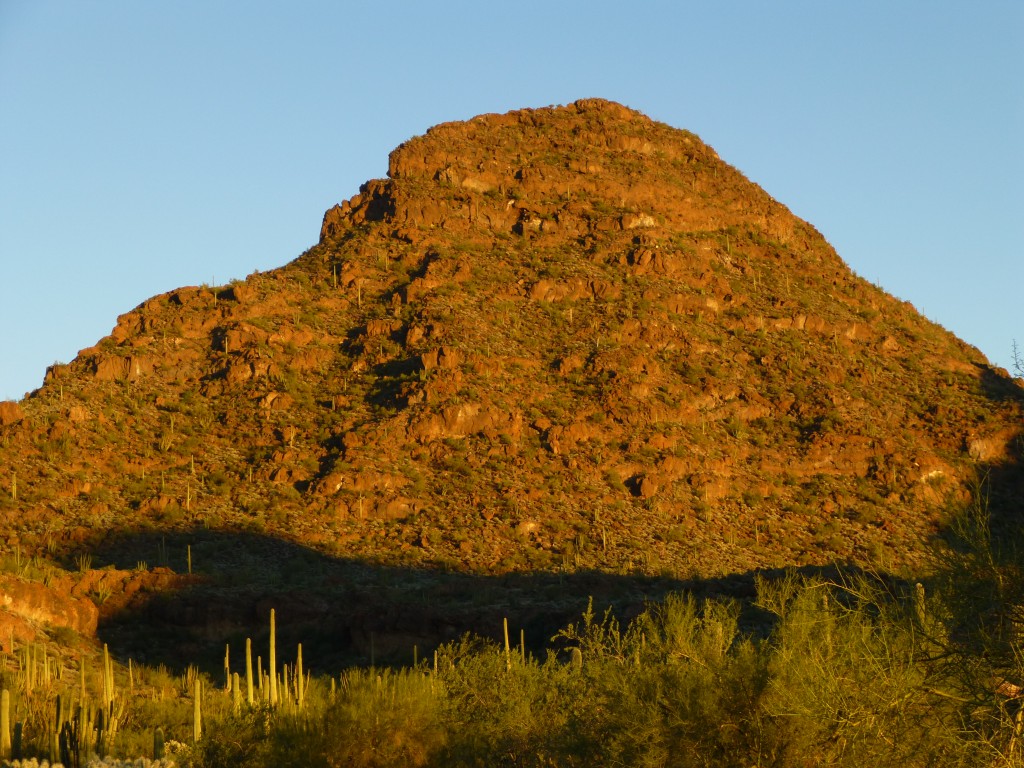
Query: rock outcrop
(26, 605)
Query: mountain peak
(592, 165)
(560, 338)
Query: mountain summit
(553, 340)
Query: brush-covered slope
(565, 338)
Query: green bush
(378, 719)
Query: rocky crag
(556, 341)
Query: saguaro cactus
(300, 684)
(248, 669)
(508, 650)
(70, 744)
(108, 678)
(60, 742)
(5, 723)
(577, 658)
(158, 744)
(272, 672)
(197, 712)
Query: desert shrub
(851, 682)
(240, 740)
(377, 719)
(504, 710)
(977, 618)
(681, 686)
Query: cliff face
(557, 339)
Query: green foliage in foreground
(850, 676)
(863, 672)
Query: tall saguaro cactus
(236, 693)
(248, 669)
(108, 678)
(300, 684)
(197, 712)
(158, 744)
(508, 649)
(5, 723)
(272, 672)
(227, 667)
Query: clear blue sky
(148, 145)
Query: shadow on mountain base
(352, 613)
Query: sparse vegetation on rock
(556, 353)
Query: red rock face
(10, 413)
(574, 317)
(25, 605)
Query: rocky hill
(557, 341)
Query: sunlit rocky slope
(554, 340)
